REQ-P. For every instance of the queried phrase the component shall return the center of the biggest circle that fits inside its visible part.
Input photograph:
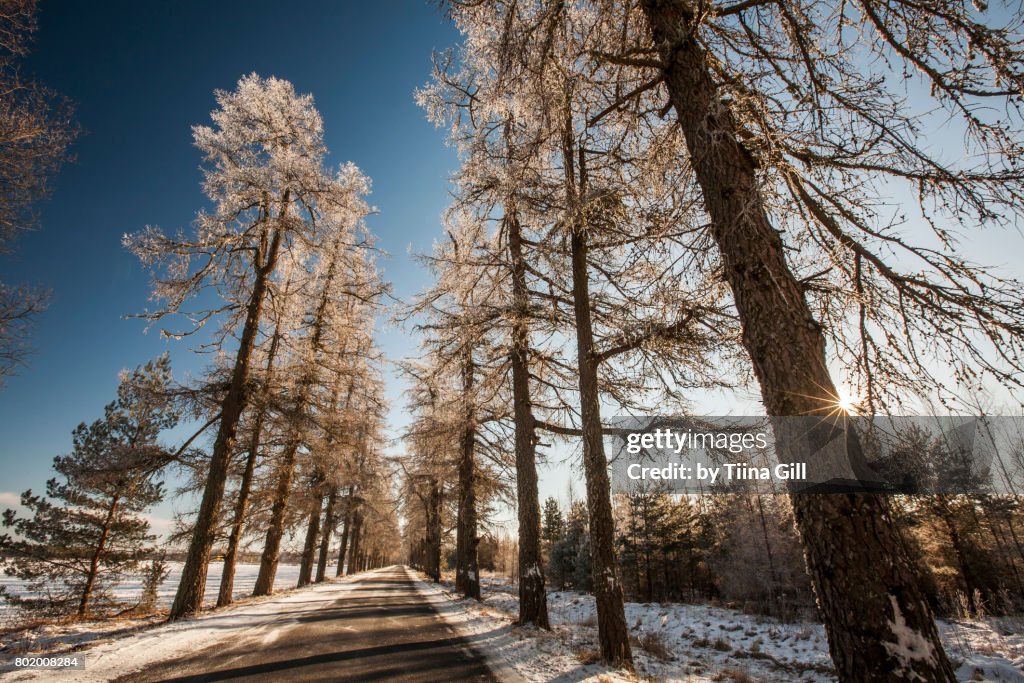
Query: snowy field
(130, 590)
(119, 654)
(674, 642)
(59, 637)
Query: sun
(845, 402)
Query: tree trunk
(227, 578)
(467, 574)
(328, 531)
(879, 625)
(312, 533)
(275, 530)
(94, 563)
(354, 549)
(345, 530)
(611, 614)
(189, 598)
(432, 561)
(533, 600)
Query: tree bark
(613, 633)
(312, 532)
(227, 578)
(345, 530)
(94, 563)
(189, 598)
(275, 530)
(433, 541)
(533, 600)
(467, 573)
(879, 624)
(354, 548)
(328, 531)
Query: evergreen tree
(87, 533)
(570, 558)
(553, 528)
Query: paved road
(381, 630)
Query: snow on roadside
(680, 642)
(113, 658)
(515, 655)
(59, 637)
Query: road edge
(455, 616)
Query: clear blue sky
(140, 75)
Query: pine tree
(87, 533)
(553, 528)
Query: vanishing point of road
(381, 629)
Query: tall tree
(772, 103)
(266, 178)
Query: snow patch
(910, 643)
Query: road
(381, 630)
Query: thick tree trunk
(227, 578)
(189, 598)
(275, 530)
(94, 563)
(467, 573)
(533, 600)
(346, 529)
(328, 531)
(613, 633)
(879, 625)
(312, 533)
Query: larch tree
(337, 278)
(269, 187)
(267, 386)
(599, 197)
(801, 120)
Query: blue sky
(140, 75)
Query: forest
(661, 207)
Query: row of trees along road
(657, 195)
(283, 266)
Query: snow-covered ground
(671, 642)
(121, 654)
(58, 637)
(674, 642)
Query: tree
(570, 560)
(596, 194)
(766, 95)
(72, 551)
(35, 131)
(553, 527)
(266, 178)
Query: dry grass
(654, 644)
